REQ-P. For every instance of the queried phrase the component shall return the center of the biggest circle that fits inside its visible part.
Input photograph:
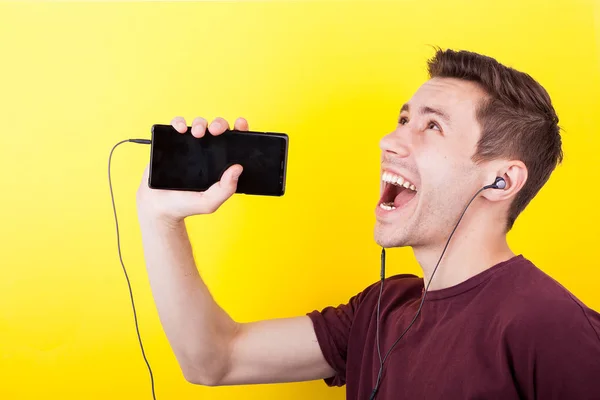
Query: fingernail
(215, 125)
(182, 126)
(236, 175)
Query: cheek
(445, 186)
(438, 170)
(444, 161)
(439, 210)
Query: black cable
(376, 388)
(139, 141)
(379, 301)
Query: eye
(433, 125)
(403, 121)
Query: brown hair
(517, 120)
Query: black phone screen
(184, 162)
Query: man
(492, 325)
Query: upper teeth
(397, 180)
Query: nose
(395, 144)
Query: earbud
(499, 183)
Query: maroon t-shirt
(511, 332)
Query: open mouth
(397, 191)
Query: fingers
(179, 124)
(224, 189)
(241, 124)
(218, 126)
(199, 127)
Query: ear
(514, 174)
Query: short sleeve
(558, 353)
(333, 326)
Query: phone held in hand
(180, 161)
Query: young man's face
(431, 147)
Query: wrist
(152, 217)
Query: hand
(175, 205)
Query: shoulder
(540, 310)
(550, 337)
(335, 325)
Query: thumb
(234, 173)
(224, 189)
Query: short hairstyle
(517, 119)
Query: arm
(210, 347)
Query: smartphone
(183, 162)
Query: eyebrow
(428, 110)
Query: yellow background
(75, 78)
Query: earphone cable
(379, 375)
(139, 141)
(379, 301)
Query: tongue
(403, 197)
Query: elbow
(204, 373)
(208, 365)
(196, 378)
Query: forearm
(198, 330)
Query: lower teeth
(387, 206)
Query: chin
(387, 237)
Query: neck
(472, 249)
